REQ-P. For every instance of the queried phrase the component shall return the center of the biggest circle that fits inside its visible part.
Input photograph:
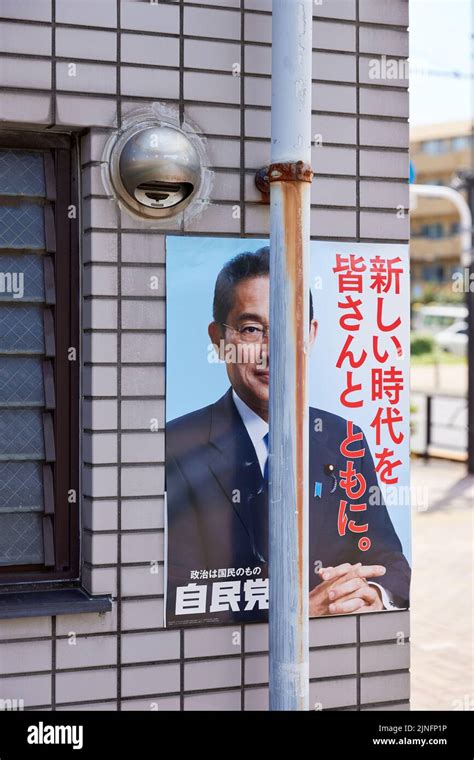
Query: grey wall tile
(334, 36)
(212, 674)
(86, 651)
(142, 613)
(99, 580)
(338, 98)
(99, 247)
(100, 348)
(92, 183)
(25, 107)
(257, 220)
(143, 647)
(100, 381)
(258, 91)
(215, 88)
(25, 628)
(142, 348)
(384, 657)
(345, 9)
(393, 12)
(329, 160)
(143, 48)
(87, 13)
(24, 38)
(110, 705)
(150, 83)
(142, 381)
(100, 212)
(74, 43)
(80, 111)
(92, 145)
(79, 686)
(390, 625)
(258, 59)
(22, 657)
(30, 10)
(374, 163)
(100, 481)
(256, 670)
(334, 67)
(99, 548)
(217, 218)
(324, 663)
(400, 707)
(225, 187)
(256, 699)
(142, 514)
(99, 314)
(327, 695)
(388, 134)
(223, 153)
(376, 72)
(334, 129)
(100, 281)
(256, 637)
(388, 226)
(206, 54)
(100, 448)
(143, 447)
(225, 24)
(383, 41)
(258, 27)
(150, 679)
(395, 686)
(140, 581)
(152, 703)
(384, 194)
(332, 630)
(142, 547)
(21, 72)
(140, 414)
(378, 102)
(333, 192)
(150, 17)
(33, 690)
(143, 281)
(99, 515)
(214, 120)
(258, 123)
(142, 481)
(143, 249)
(223, 700)
(209, 642)
(324, 222)
(104, 622)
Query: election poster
(217, 422)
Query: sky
(440, 38)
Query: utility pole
(289, 176)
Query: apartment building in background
(438, 153)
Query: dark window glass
(39, 397)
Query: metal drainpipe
(289, 176)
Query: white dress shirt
(257, 430)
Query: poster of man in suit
(217, 423)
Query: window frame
(62, 235)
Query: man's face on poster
(242, 342)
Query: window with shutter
(39, 359)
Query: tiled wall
(182, 53)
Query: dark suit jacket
(217, 505)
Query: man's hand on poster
(346, 589)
